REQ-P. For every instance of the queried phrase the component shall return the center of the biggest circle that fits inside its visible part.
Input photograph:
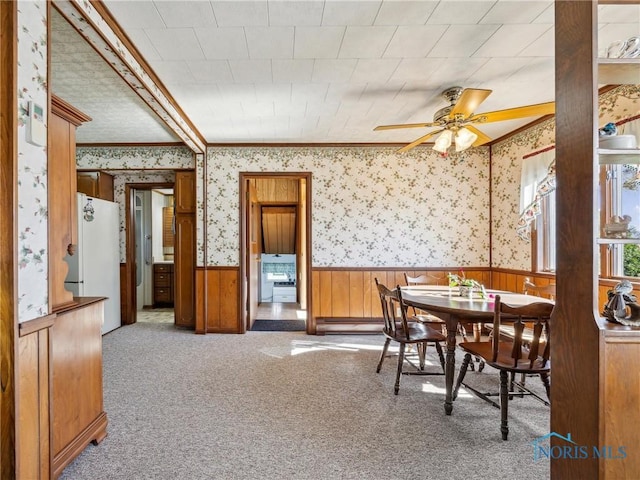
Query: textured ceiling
(317, 71)
(81, 77)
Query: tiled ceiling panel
(321, 70)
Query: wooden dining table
(447, 304)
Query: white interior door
(144, 249)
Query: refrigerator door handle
(147, 249)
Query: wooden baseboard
(328, 325)
(95, 432)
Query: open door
(283, 199)
(254, 242)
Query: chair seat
(426, 318)
(504, 361)
(418, 332)
(509, 332)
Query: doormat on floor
(278, 326)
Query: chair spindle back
(391, 303)
(536, 315)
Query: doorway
(149, 254)
(275, 251)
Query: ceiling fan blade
(513, 113)
(482, 138)
(406, 125)
(469, 100)
(417, 142)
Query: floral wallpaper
(371, 207)
(134, 158)
(32, 224)
(509, 251)
(120, 178)
(200, 165)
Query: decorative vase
(465, 291)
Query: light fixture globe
(443, 142)
(464, 139)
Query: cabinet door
(88, 183)
(62, 207)
(96, 185)
(184, 270)
(185, 192)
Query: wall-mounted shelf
(618, 156)
(619, 71)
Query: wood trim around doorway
(244, 177)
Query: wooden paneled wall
(276, 190)
(346, 300)
(513, 280)
(217, 300)
(279, 229)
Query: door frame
(131, 303)
(244, 242)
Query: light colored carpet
(284, 405)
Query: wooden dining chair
(399, 329)
(530, 288)
(513, 355)
(419, 315)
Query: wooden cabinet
(185, 248)
(185, 263)
(163, 285)
(77, 411)
(185, 192)
(62, 208)
(620, 415)
(96, 185)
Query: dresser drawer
(162, 295)
(162, 267)
(162, 280)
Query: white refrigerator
(94, 269)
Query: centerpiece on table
(465, 285)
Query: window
(620, 207)
(545, 235)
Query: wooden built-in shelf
(619, 71)
(618, 156)
(605, 241)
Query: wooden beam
(8, 235)
(574, 395)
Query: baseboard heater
(347, 325)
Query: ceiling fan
(456, 120)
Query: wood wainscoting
(513, 280)
(33, 389)
(345, 300)
(218, 300)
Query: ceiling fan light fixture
(443, 142)
(464, 139)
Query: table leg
(450, 364)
